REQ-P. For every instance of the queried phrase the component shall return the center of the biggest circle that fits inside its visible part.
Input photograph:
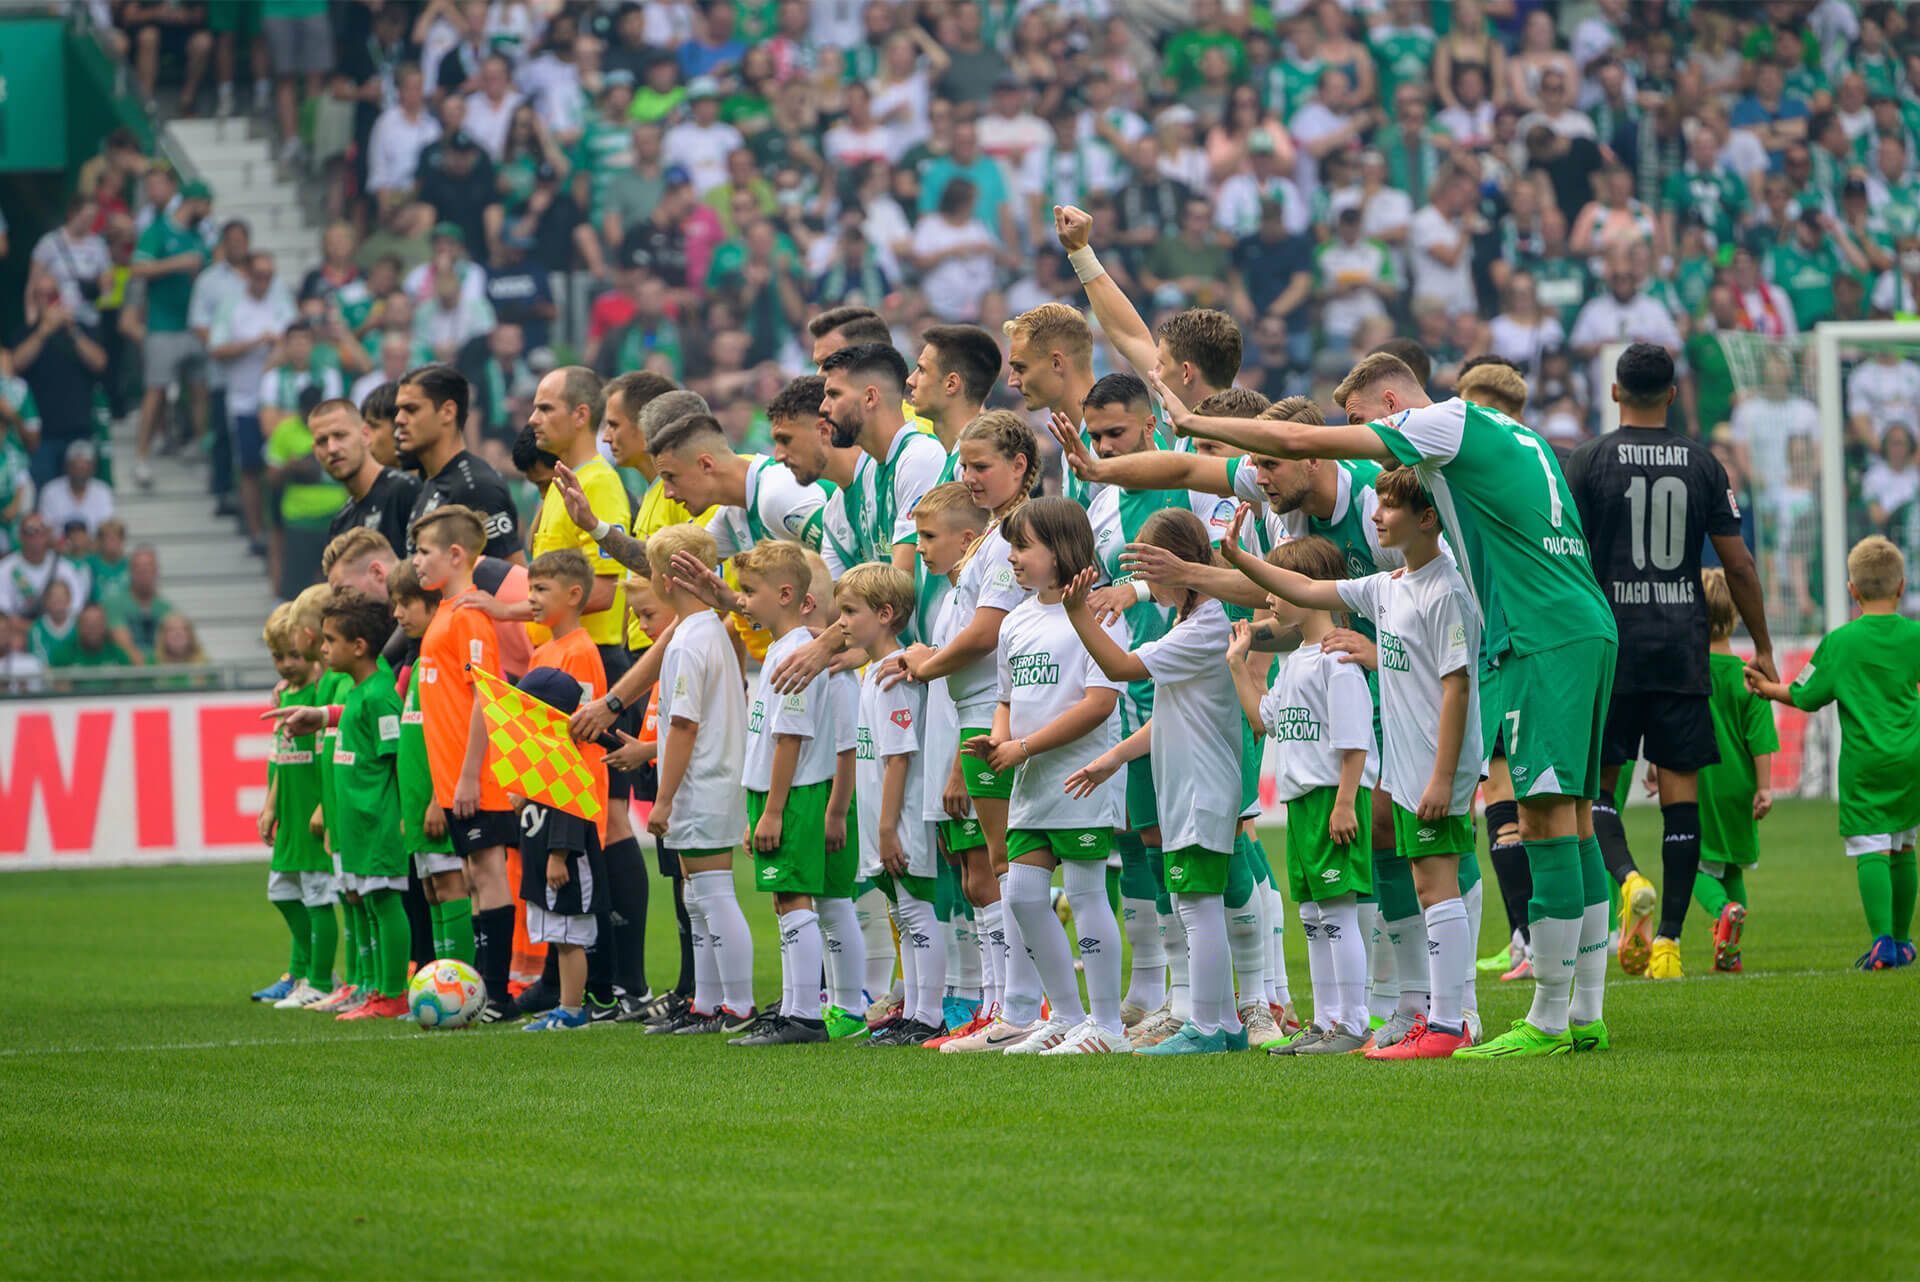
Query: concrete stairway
(205, 569)
(235, 158)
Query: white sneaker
(1396, 1028)
(996, 1036)
(1044, 1036)
(142, 474)
(1088, 1037)
(303, 994)
(1471, 1018)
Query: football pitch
(158, 1124)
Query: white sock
(1407, 942)
(1029, 897)
(1173, 934)
(1099, 939)
(964, 975)
(871, 911)
(1205, 920)
(1590, 966)
(786, 941)
(1278, 992)
(910, 957)
(732, 941)
(1473, 899)
(992, 931)
(1319, 965)
(846, 953)
(1446, 924)
(800, 940)
(920, 940)
(706, 971)
(1147, 985)
(1556, 940)
(1340, 923)
(1247, 941)
(1021, 1005)
(1383, 976)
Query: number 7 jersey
(1510, 520)
(1649, 499)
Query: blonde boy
(300, 877)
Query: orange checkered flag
(530, 752)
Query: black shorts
(616, 661)
(1675, 729)
(646, 782)
(482, 830)
(668, 859)
(545, 831)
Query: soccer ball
(446, 994)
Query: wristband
(1025, 749)
(1085, 264)
(601, 531)
(1141, 592)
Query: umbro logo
(768, 874)
(1332, 929)
(1088, 945)
(1313, 931)
(1176, 871)
(1433, 948)
(1425, 834)
(1331, 874)
(1088, 838)
(920, 940)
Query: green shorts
(1143, 807)
(916, 887)
(799, 865)
(1318, 867)
(962, 834)
(1076, 845)
(241, 19)
(1192, 870)
(842, 870)
(1552, 708)
(980, 778)
(1138, 880)
(1415, 838)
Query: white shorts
(1879, 842)
(312, 889)
(429, 863)
(544, 927)
(367, 885)
(1717, 869)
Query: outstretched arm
(1288, 585)
(1275, 438)
(1148, 561)
(1113, 659)
(1147, 470)
(1111, 307)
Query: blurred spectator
(1624, 314)
(168, 258)
(106, 565)
(78, 495)
(1892, 481)
(26, 571)
(954, 253)
(1355, 278)
(399, 136)
(53, 631)
(503, 386)
(1188, 266)
(135, 612)
(169, 29)
(63, 362)
(491, 104)
(222, 281)
(450, 318)
(701, 143)
(21, 670)
(299, 40)
(457, 184)
(75, 256)
(179, 644)
(1539, 54)
(240, 341)
(1440, 245)
(93, 645)
(647, 335)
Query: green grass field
(157, 1124)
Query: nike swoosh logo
(1005, 1038)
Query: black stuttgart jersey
(1648, 501)
(470, 480)
(387, 506)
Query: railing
(152, 679)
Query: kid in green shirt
(1871, 668)
(366, 789)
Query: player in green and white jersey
(1548, 629)
(862, 400)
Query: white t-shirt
(1883, 486)
(1432, 278)
(780, 505)
(702, 150)
(1521, 344)
(1043, 671)
(489, 124)
(890, 726)
(1765, 426)
(914, 94)
(943, 718)
(394, 147)
(808, 714)
(247, 318)
(23, 583)
(1885, 394)
(1318, 709)
(845, 690)
(1196, 731)
(59, 505)
(986, 583)
(955, 286)
(1429, 628)
(700, 682)
(846, 147)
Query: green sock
(392, 938)
(1906, 884)
(350, 941)
(366, 976)
(1596, 887)
(295, 913)
(324, 934)
(1876, 892)
(1711, 894)
(455, 923)
(1469, 871)
(1734, 882)
(1113, 887)
(1559, 889)
(1393, 883)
